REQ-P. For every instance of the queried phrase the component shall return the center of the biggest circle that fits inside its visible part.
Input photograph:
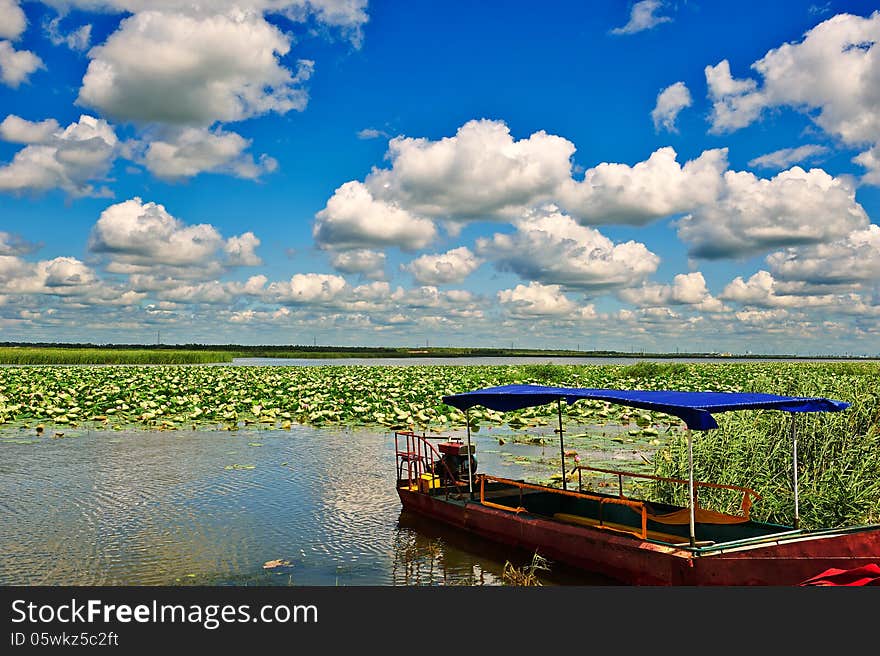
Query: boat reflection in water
(429, 553)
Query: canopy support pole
(561, 446)
(794, 469)
(691, 514)
(467, 421)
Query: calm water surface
(172, 508)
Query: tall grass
(27, 355)
(838, 455)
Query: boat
(634, 541)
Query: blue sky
(653, 175)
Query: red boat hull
(787, 560)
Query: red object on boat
(866, 575)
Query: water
(211, 507)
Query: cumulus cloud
(763, 290)
(62, 277)
(355, 219)
(193, 69)
(184, 153)
(536, 300)
(68, 159)
(308, 288)
(831, 75)
(15, 129)
(450, 267)
(753, 215)
(370, 264)
(12, 20)
(140, 237)
(648, 190)
(643, 16)
(853, 259)
(785, 157)
(735, 103)
(484, 173)
(670, 102)
(686, 289)
(551, 248)
(480, 173)
(17, 65)
(241, 250)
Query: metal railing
(748, 498)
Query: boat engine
(454, 455)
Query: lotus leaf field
(839, 453)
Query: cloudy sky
(666, 175)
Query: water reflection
(212, 507)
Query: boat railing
(749, 496)
(637, 506)
(421, 457)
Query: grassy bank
(47, 355)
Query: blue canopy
(695, 408)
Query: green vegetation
(56, 355)
(839, 452)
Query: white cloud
(14, 245)
(308, 288)
(853, 259)
(450, 267)
(735, 103)
(642, 17)
(241, 250)
(537, 300)
(552, 248)
(348, 15)
(785, 157)
(831, 75)
(354, 219)
(754, 214)
(657, 187)
(686, 289)
(62, 277)
(670, 102)
(17, 65)
(870, 159)
(193, 69)
(143, 238)
(186, 152)
(145, 234)
(77, 40)
(68, 159)
(762, 290)
(370, 133)
(15, 129)
(12, 20)
(370, 264)
(480, 173)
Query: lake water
(211, 507)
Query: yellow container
(428, 482)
